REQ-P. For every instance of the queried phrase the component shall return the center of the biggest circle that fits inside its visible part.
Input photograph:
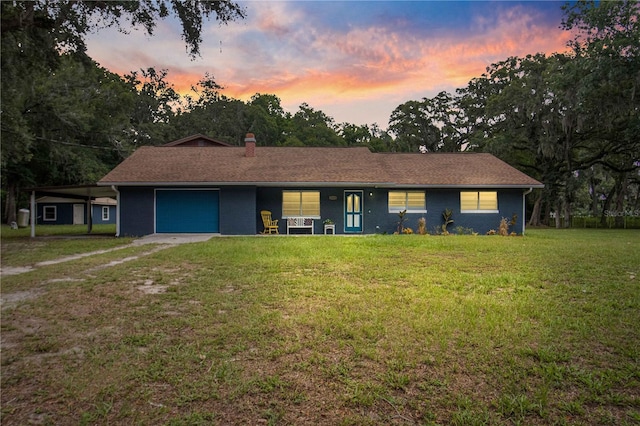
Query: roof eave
(325, 184)
(249, 183)
(478, 186)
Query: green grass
(19, 249)
(51, 230)
(464, 330)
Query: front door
(353, 211)
(78, 214)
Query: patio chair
(270, 225)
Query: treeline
(570, 120)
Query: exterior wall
(97, 214)
(238, 211)
(136, 211)
(438, 200)
(331, 207)
(378, 220)
(64, 213)
(270, 199)
(509, 203)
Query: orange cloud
(280, 52)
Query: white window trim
(105, 209)
(55, 213)
(300, 215)
(398, 210)
(401, 209)
(479, 211)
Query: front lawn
(406, 329)
(17, 248)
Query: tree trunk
(567, 214)
(534, 220)
(10, 204)
(620, 212)
(594, 197)
(607, 205)
(557, 211)
(547, 213)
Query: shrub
(401, 221)
(491, 232)
(461, 230)
(407, 231)
(503, 229)
(447, 214)
(422, 226)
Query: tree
(68, 21)
(154, 108)
(266, 118)
(82, 113)
(38, 38)
(607, 108)
(371, 136)
(312, 128)
(412, 125)
(567, 118)
(209, 112)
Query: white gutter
(115, 189)
(524, 206)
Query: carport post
(33, 214)
(89, 215)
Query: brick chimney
(250, 145)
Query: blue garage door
(187, 211)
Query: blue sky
(354, 60)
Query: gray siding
(438, 200)
(238, 211)
(271, 199)
(136, 211)
(64, 213)
(377, 218)
(97, 215)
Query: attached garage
(187, 211)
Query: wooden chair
(270, 225)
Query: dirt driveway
(162, 240)
(159, 241)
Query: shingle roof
(311, 166)
(197, 140)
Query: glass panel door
(353, 211)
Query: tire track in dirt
(161, 242)
(9, 300)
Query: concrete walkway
(172, 239)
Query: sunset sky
(354, 60)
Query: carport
(86, 193)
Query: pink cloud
(279, 51)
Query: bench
(299, 223)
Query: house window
(301, 203)
(50, 213)
(105, 213)
(479, 202)
(411, 201)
